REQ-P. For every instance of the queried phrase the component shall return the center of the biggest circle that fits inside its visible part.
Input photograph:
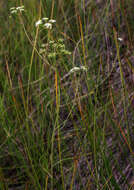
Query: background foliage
(66, 121)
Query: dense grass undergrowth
(66, 95)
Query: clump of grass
(66, 106)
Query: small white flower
(52, 21)
(48, 26)
(39, 22)
(16, 9)
(13, 11)
(75, 69)
(45, 19)
(19, 8)
(12, 8)
(120, 39)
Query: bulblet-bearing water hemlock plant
(53, 49)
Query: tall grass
(66, 95)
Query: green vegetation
(66, 95)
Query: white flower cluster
(120, 39)
(15, 10)
(45, 22)
(75, 69)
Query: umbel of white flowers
(45, 22)
(75, 69)
(14, 10)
